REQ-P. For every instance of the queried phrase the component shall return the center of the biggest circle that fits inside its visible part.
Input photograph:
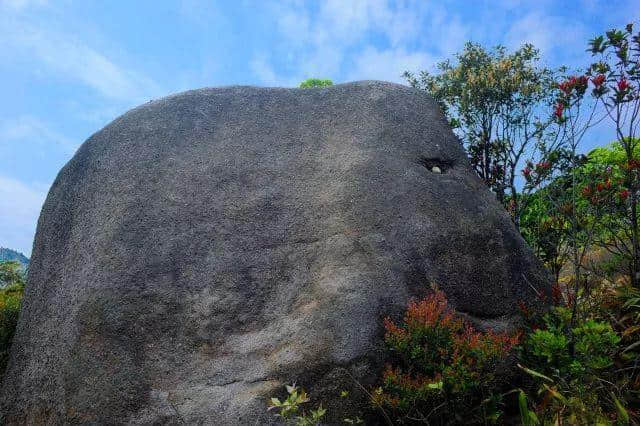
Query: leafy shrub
(315, 82)
(571, 368)
(441, 366)
(289, 409)
(594, 345)
(11, 273)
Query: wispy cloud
(335, 39)
(19, 5)
(265, 71)
(20, 206)
(387, 64)
(29, 130)
(557, 38)
(69, 58)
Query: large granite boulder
(207, 248)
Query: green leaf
(535, 373)
(437, 385)
(275, 402)
(527, 416)
(557, 395)
(623, 415)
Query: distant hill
(8, 254)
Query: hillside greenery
(8, 254)
(11, 291)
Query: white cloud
(31, 130)
(70, 58)
(556, 37)
(20, 206)
(264, 70)
(324, 41)
(388, 64)
(19, 5)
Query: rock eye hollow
(436, 165)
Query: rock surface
(204, 249)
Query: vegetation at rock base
(441, 368)
(290, 408)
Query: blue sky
(68, 67)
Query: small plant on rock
(289, 409)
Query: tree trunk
(635, 267)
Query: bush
(573, 370)
(311, 83)
(289, 409)
(441, 366)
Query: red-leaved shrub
(441, 367)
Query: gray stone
(207, 248)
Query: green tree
(497, 103)
(315, 82)
(616, 77)
(604, 193)
(546, 228)
(11, 273)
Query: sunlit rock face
(205, 249)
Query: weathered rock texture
(206, 248)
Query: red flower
(543, 165)
(586, 191)
(624, 194)
(600, 187)
(598, 80)
(559, 109)
(526, 172)
(623, 85)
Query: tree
(616, 77)
(545, 227)
(573, 116)
(603, 181)
(11, 274)
(315, 82)
(497, 104)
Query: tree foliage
(616, 77)
(315, 82)
(10, 301)
(496, 101)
